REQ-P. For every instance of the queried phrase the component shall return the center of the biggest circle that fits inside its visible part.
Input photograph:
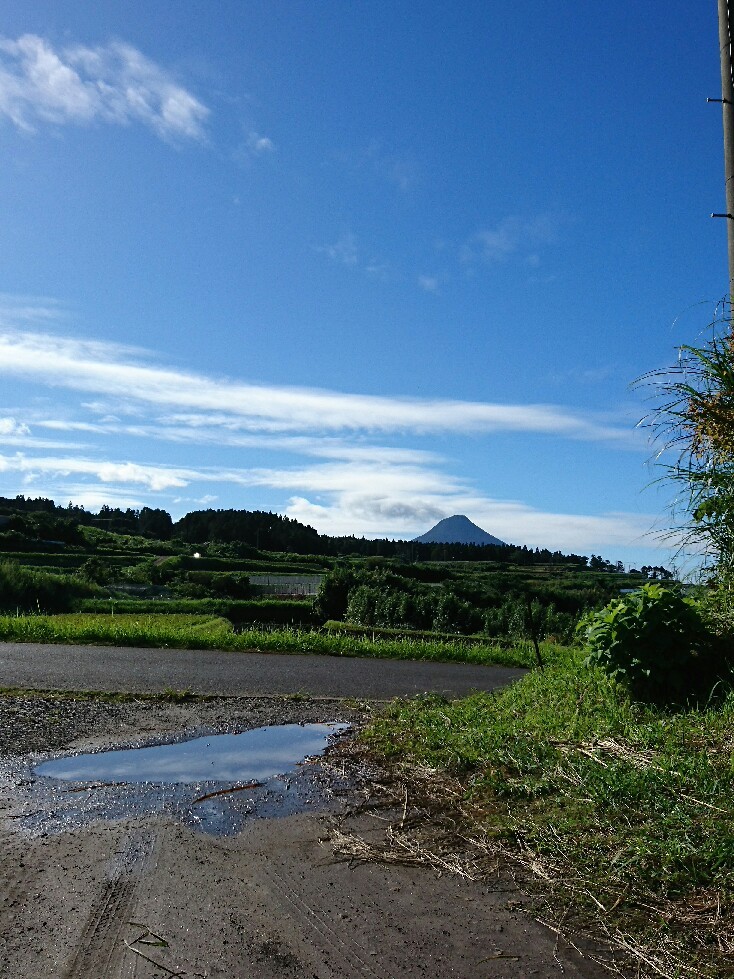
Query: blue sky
(365, 264)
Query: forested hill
(24, 522)
(254, 528)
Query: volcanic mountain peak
(457, 530)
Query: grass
(139, 630)
(336, 626)
(624, 813)
(212, 632)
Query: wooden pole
(727, 105)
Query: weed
(178, 696)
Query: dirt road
(149, 897)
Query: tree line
(237, 532)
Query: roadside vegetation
(617, 813)
(213, 632)
(607, 777)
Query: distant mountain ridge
(457, 530)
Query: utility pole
(727, 105)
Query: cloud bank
(112, 370)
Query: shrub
(28, 590)
(656, 642)
(333, 597)
(266, 611)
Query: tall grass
(118, 630)
(211, 632)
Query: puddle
(252, 756)
(215, 783)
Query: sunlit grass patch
(213, 632)
(139, 630)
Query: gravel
(41, 724)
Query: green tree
(333, 597)
(96, 570)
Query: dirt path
(108, 899)
(271, 902)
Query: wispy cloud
(12, 427)
(403, 496)
(330, 464)
(385, 511)
(92, 496)
(113, 371)
(113, 83)
(379, 164)
(258, 145)
(155, 478)
(344, 250)
(512, 235)
(428, 283)
(400, 497)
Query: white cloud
(375, 162)
(155, 478)
(327, 459)
(403, 498)
(258, 144)
(29, 310)
(93, 497)
(346, 250)
(114, 83)
(113, 371)
(362, 490)
(12, 427)
(382, 514)
(429, 283)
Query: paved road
(114, 669)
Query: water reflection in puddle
(251, 756)
(214, 783)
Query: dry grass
(426, 816)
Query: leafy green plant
(333, 597)
(655, 642)
(717, 608)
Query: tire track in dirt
(351, 957)
(100, 947)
